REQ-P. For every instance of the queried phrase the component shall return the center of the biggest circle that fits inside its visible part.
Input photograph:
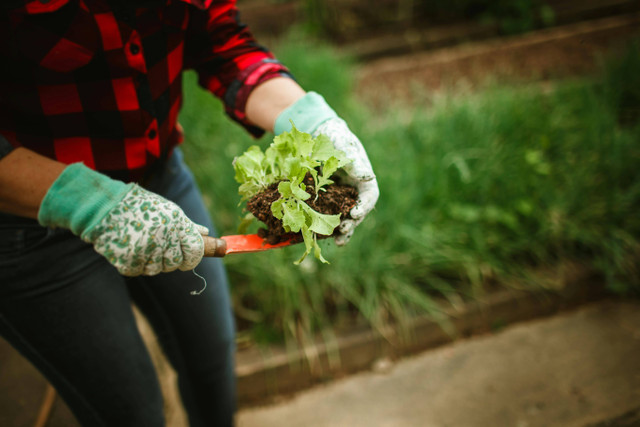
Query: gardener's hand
(137, 231)
(358, 173)
(313, 115)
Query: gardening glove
(139, 232)
(312, 114)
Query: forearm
(269, 99)
(25, 177)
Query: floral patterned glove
(313, 115)
(359, 173)
(137, 231)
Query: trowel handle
(214, 247)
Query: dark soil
(337, 199)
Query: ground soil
(334, 199)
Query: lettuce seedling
(287, 161)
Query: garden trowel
(240, 243)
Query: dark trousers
(68, 311)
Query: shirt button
(134, 48)
(152, 134)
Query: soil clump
(333, 199)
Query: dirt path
(576, 369)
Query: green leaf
(324, 224)
(293, 168)
(298, 191)
(303, 142)
(250, 164)
(293, 218)
(246, 221)
(277, 208)
(249, 189)
(309, 243)
(318, 252)
(330, 166)
(284, 188)
(321, 223)
(251, 171)
(323, 148)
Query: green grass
(478, 188)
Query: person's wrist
(79, 198)
(307, 114)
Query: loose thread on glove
(205, 284)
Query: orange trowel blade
(251, 243)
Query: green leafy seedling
(287, 161)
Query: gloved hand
(138, 231)
(311, 114)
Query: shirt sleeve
(228, 60)
(5, 147)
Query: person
(98, 209)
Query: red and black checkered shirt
(99, 81)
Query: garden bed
(571, 50)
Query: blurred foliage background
(339, 19)
(476, 189)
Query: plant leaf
(309, 243)
(277, 208)
(303, 142)
(321, 223)
(323, 148)
(246, 221)
(299, 192)
(293, 218)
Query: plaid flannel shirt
(99, 81)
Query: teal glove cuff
(307, 114)
(80, 198)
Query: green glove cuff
(80, 198)
(307, 114)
